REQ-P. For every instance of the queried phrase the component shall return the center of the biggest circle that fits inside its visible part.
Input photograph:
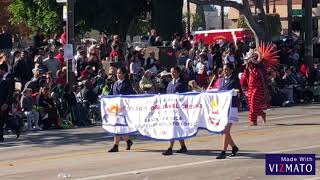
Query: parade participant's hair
(229, 65)
(124, 71)
(4, 67)
(178, 69)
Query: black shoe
(129, 144)
(222, 155)
(182, 150)
(18, 134)
(114, 149)
(234, 151)
(167, 152)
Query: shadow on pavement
(243, 154)
(299, 124)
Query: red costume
(255, 79)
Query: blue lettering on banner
(290, 164)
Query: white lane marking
(14, 147)
(181, 165)
(295, 149)
(315, 178)
(148, 170)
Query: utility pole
(70, 38)
(188, 18)
(308, 45)
(222, 17)
(290, 19)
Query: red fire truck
(219, 36)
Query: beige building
(280, 7)
(212, 16)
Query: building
(280, 7)
(212, 16)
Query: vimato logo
(290, 164)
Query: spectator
(191, 70)
(49, 112)
(27, 104)
(99, 81)
(193, 86)
(23, 68)
(176, 42)
(52, 64)
(34, 83)
(88, 93)
(158, 41)
(5, 39)
(60, 57)
(151, 61)
(147, 85)
(183, 57)
(152, 37)
(63, 37)
(39, 39)
(62, 77)
(201, 70)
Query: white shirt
(174, 81)
(5, 76)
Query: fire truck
(224, 35)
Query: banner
(168, 116)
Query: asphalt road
(81, 153)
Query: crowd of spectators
(46, 99)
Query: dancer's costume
(256, 80)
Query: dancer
(255, 79)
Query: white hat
(137, 48)
(164, 73)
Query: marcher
(228, 82)
(121, 87)
(177, 85)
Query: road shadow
(298, 124)
(243, 154)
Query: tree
(256, 24)
(112, 16)
(242, 23)
(199, 18)
(36, 14)
(167, 17)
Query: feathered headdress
(266, 54)
(269, 55)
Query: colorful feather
(269, 55)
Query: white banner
(168, 116)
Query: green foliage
(36, 14)
(195, 19)
(199, 19)
(241, 23)
(139, 27)
(166, 17)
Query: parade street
(82, 153)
